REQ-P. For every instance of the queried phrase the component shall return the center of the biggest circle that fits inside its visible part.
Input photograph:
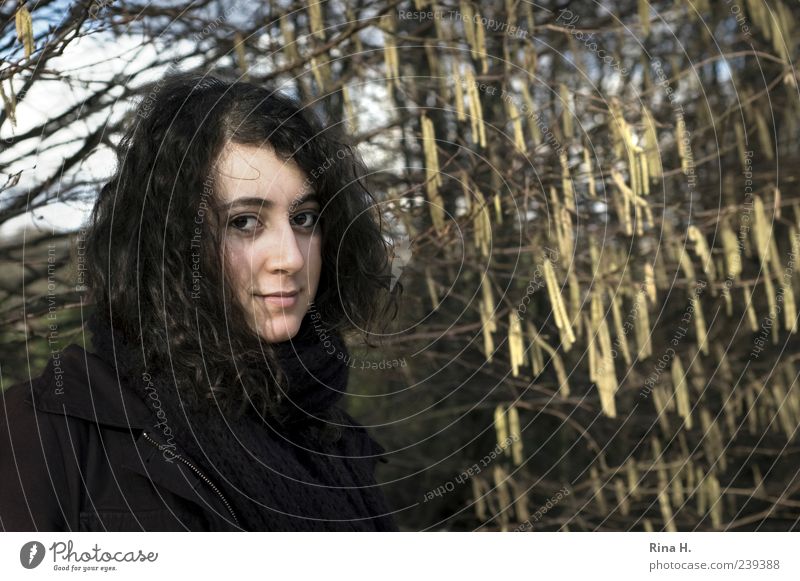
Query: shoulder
(51, 427)
(32, 462)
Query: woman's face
(273, 242)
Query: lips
(283, 293)
(282, 299)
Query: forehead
(252, 171)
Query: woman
(226, 257)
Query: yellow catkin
(632, 477)
(321, 71)
(700, 489)
(480, 46)
(652, 150)
(642, 327)
(511, 12)
(515, 345)
(488, 322)
(537, 359)
(658, 462)
(666, 511)
(589, 171)
(622, 497)
(644, 172)
(476, 110)
(752, 318)
(660, 403)
(740, 143)
(358, 46)
(516, 123)
(575, 297)
(431, 288)
(644, 17)
(459, 95)
(559, 224)
(483, 226)
(782, 29)
(241, 56)
(566, 182)
(700, 324)
(566, 114)
(730, 244)
(520, 501)
(650, 283)
(559, 310)
(555, 358)
(315, 19)
(515, 433)
(758, 480)
(702, 250)
(480, 499)
(498, 209)
(789, 306)
(350, 113)
(468, 21)
(289, 43)
(630, 197)
(533, 126)
(713, 442)
(681, 392)
(593, 363)
(503, 497)
(390, 52)
(621, 341)
(714, 500)
(433, 174)
(594, 477)
(763, 133)
(620, 133)
(761, 230)
(793, 393)
(604, 372)
(501, 429)
(677, 485)
(785, 419)
(24, 28)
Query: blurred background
(595, 220)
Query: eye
(308, 219)
(245, 222)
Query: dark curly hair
(142, 235)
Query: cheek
(314, 259)
(238, 262)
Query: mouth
(282, 299)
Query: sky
(96, 58)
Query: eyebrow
(250, 201)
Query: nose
(283, 253)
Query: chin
(283, 329)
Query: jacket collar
(80, 384)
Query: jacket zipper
(197, 471)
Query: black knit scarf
(277, 479)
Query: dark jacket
(78, 452)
